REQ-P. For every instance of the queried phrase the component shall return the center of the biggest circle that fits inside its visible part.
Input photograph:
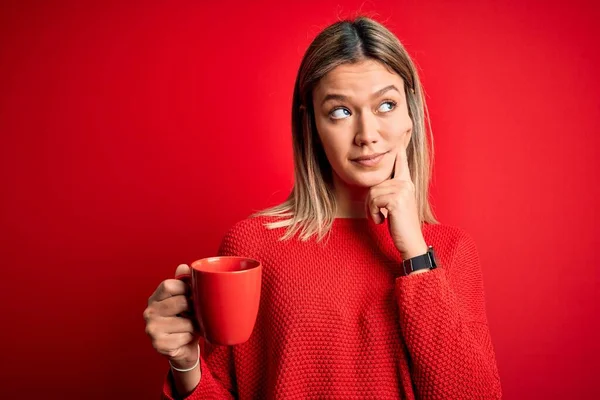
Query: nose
(367, 130)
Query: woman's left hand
(395, 200)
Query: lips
(370, 160)
(368, 157)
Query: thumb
(182, 269)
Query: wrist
(420, 262)
(186, 380)
(187, 363)
(421, 271)
(183, 365)
(417, 250)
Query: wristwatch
(424, 261)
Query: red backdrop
(133, 136)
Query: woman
(355, 303)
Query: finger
(165, 326)
(180, 325)
(377, 212)
(374, 213)
(384, 212)
(177, 325)
(378, 203)
(168, 288)
(182, 269)
(177, 306)
(171, 306)
(169, 345)
(401, 169)
(386, 187)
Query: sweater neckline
(350, 220)
(362, 221)
(359, 221)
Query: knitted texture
(337, 320)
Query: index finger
(169, 288)
(401, 170)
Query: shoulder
(446, 235)
(250, 228)
(248, 236)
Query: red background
(133, 136)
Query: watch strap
(424, 261)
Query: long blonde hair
(311, 207)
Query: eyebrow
(335, 96)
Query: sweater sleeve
(215, 383)
(444, 325)
(217, 368)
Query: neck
(350, 199)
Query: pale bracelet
(187, 369)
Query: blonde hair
(310, 208)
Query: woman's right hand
(172, 333)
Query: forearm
(452, 354)
(186, 382)
(203, 381)
(186, 374)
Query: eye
(387, 106)
(339, 113)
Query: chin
(367, 179)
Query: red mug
(225, 295)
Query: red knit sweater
(336, 320)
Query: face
(361, 110)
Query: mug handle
(191, 313)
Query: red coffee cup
(225, 294)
